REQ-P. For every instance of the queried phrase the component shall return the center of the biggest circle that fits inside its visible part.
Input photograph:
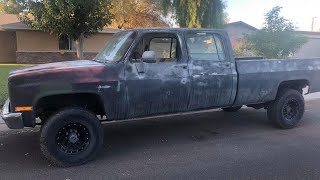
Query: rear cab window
(205, 46)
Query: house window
(65, 43)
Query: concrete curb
(1, 120)
(3, 127)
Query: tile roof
(8, 19)
(12, 22)
(241, 23)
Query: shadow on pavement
(21, 147)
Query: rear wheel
(71, 137)
(287, 110)
(232, 109)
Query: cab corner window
(205, 46)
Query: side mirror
(149, 57)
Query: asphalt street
(212, 145)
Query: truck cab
(169, 71)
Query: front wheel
(71, 137)
(287, 110)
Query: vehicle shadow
(134, 136)
(21, 147)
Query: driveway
(213, 145)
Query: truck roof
(174, 29)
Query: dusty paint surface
(130, 90)
(259, 79)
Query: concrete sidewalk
(312, 96)
(3, 126)
(1, 120)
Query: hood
(56, 66)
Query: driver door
(160, 87)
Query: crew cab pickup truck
(150, 72)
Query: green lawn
(4, 71)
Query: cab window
(205, 46)
(165, 46)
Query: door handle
(224, 65)
(184, 66)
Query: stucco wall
(96, 42)
(25, 46)
(49, 57)
(7, 47)
(36, 41)
(309, 50)
(41, 41)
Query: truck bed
(258, 80)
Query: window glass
(219, 48)
(205, 46)
(165, 48)
(116, 48)
(137, 53)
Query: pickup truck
(145, 73)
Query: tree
(12, 6)
(277, 39)
(132, 13)
(241, 49)
(77, 19)
(196, 13)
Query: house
(237, 30)
(312, 48)
(21, 44)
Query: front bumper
(13, 120)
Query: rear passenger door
(210, 69)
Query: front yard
(4, 72)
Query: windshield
(116, 48)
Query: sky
(300, 12)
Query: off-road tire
(278, 113)
(90, 139)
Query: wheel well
(50, 104)
(294, 84)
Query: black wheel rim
(290, 109)
(73, 138)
